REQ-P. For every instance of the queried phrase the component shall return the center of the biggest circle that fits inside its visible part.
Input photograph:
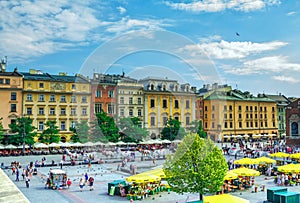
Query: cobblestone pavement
(103, 174)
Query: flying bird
(237, 34)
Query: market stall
(57, 179)
(224, 198)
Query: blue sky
(249, 44)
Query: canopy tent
(53, 144)
(230, 175)
(65, 144)
(2, 146)
(279, 155)
(295, 156)
(166, 141)
(143, 178)
(224, 198)
(289, 168)
(265, 160)
(245, 172)
(121, 143)
(246, 161)
(88, 144)
(99, 143)
(21, 146)
(77, 144)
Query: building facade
(165, 98)
(64, 99)
(293, 123)
(233, 113)
(11, 90)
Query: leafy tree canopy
(108, 127)
(50, 134)
(82, 132)
(131, 129)
(197, 166)
(172, 130)
(1, 131)
(22, 126)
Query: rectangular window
(152, 103)
(230, 115)
(225, 108)
(110, 109)
(165, 103)
(213, 107)
(13, 96)
(205, 108)
(139, 100)
(29, 111)
(266, 124)
(240, 108)
(7, 81)
(130, 112)
(73, 99)
(73, 124)
(73, 111)
(29, 97)
(52, 111)
(41, 111)
(225, 116)
(176, 104)
(63, 111)
(230, 107)
(62, 98)
(212, 116)
(41, 125)
(250, 108)
(83, 99)
(63, 125)
(111, 94)
(240, 116)
(52, 98)
(41, 85)
(265, 108)
(240, 125)
(73, 86)
(213, 125)
(139, 112)
(121, 112)
(230, 125)
(187, 120)
(187, 104)
(1, 81)
(152, 121)
(98, 93)
(98, 108)
(225, 125)
(130, 100)
(83, 112)
(41, 97)
(256, 124)
(121, 100)
(13, 107)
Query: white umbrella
(65, 144)
(53, 144)
(77, 144)
(21, 146)
(2, 146)
(10, 146)
(166, 141)
(176, 141)
(88, 144)
(131, 143)
(40, 145)
(120, 143)
(99, 143)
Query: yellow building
(11, 86)
(65, 99)
(232, 113)
(166, 98)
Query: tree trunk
(200, 196)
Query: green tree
(132, 130)
(197, 127)
(1, 131)
(96, 132)
(82, 130)
(22, 127)
(74, 137)
(108, 127)
(50, 134)
(197, 166)
(172, 130)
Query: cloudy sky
(252, 45)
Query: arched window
(294, 127)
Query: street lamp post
(23, 136)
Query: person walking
(86, 176)
(23, 174)
(91, 183)
(81, 184)
(69, 183)
(27, 180)
(17, 174)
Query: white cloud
(291, 13)
(232, 50)
(265, 65)
(220, 5)
(121, 9)
(286, 79)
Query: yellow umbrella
(230, 176)
(143, 178)
(295, 156)
(224, 198)
(157, 172)
(279, 155)
(245, 172)
(290, 168)
(246, 161)
(265, 160)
